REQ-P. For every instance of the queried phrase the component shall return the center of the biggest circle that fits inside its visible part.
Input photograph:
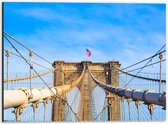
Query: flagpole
(86, 57)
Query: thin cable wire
(28, 60)
(26, 47)
(73, 111)
(145, 65)
(134, 113)
(28, 63)
(146, 78)
(145, 113)
(100, 112)
(139, 68)
(74, 99)
(145, 59)
(103, 107)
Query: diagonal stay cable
(143, 67)
(103, 107)
(28, 60)
(123, 72)
(28, 63)
(147, 65)
(100, 112)
(145, 59)
(145, 78)
(38, 74)
(26, 47)
(73, 100)
(69, 105)
(73, 111)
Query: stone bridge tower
(67, 72)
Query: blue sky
(62, 31)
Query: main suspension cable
(38, 74)
(146, 78)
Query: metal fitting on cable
(143, 97)
(137, 103)
(7, 54)
(64, 101)
(45, 102)
(109, 102)
(132, 94)
(129, 100)
(110, 98)
(122, 92)
(151, 108)
(30, 96)
(122, 99)
(18, 110)
(160, 56)
(53, 98)
(30, 53)
(117, 91)
(35, 106)
(7, 69)
(31, 67)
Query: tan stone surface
(67, 72)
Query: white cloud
(68, 43)
(107, 41)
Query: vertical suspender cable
(30, 55)
(123, 109)
(128, 101)
(121, 103)
(7, 67)
(44, 111)
(137, 103)
(160, 56)
(25, 47)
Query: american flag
(88, 52)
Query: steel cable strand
(25, 47)
(100, 112)
(40, 76)
(103, 107)
(145, 78)
(144, 67)
(137, 68)
(146, 58)
(28, 60)
(28, 63)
